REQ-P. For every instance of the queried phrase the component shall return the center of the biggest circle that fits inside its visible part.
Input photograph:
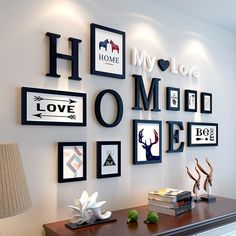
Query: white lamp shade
(14, 194)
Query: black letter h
(54, 55)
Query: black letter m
(140, 92)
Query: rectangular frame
(108, 159)
(206, 103)
(143, 153)
(205, 134)
(52, 107)
(172, 99)
(111, 43)
(190, 103)
(72, 161)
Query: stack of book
(170, 201)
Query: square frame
(206, 103)
(172, 99)
(52, 107)
(72, 161)
(190, 102)
(202, 134)
(107, 47)
(143, 153)
(108, 159)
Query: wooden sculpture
(208, 180)
(196, 186)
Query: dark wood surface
(204, 216)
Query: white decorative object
(86, 208)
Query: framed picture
(52, 107)
(108, 159)
(206, 103)
(202, 134)
(172, 99)
(107, 51)
(191, 100)
(147, 141)
(71, 161)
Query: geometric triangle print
(109, 161)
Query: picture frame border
(24, 121)
(189, 133)
(168, 99)
(135, 144)
(203, 94)
(186, 92)
(93, 71)
(61, 178)
(99, 159)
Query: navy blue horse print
(149, 156)
(103, 44)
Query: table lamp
(14, 194)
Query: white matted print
(108, 159)
(107, 52)
(147, 141)
(71, 161)
(206, 103)
(53, 107)
(202, 134)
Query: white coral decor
(86, 208)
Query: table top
(204, 216)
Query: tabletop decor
(87, 211)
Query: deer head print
(148, 147)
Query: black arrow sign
(38, 98)
(40, 115)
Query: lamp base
(95, 222)
(208, 198)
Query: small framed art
(108, 159)
(202, 134)
(71, 161)
(147, 141)
(206, 103)
(52, 107)
(172, 99)
(191, 100)
(107, 51)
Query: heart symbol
(163, 64)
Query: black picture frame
(143, 153)
(206, 103)
(107, 52)
(190, 100)
(172, 99)
(108, 159)
(52, 107)
(202, 134)
(72, 161)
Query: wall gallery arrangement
(107, 58)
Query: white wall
(148, 26)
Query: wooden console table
(205, 216)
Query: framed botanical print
(172, 99)
(71, 161)
(202, 134)
(52, 107)
(191, 100)
(147, 141)
(108, 159)
(107, 51)
(206, 103)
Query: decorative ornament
(132, 216)
(86, 209)
(152, 218)
(196, 186)
(208, 181)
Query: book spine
(182, 202)
(183, 196)
(183, 209)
